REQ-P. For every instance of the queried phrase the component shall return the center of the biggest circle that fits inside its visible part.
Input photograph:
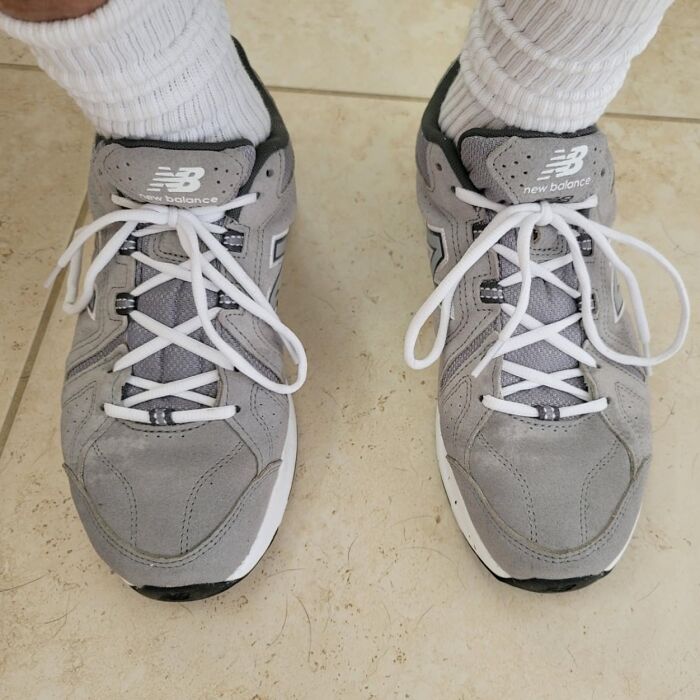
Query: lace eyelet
(225, 302)
(161, 416)
(142, 220)
(125, 303)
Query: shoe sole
(464, 521)
(276, 508)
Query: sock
(151, 69)
(546, 65)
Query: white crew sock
(546, 65)
(152, 69)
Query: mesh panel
(475, 151)
(547, 303)
(171, 304)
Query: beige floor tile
(369, 590)
(45, 148)
(664, 80)
(15, 52)
(402, 47)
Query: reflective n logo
(563, 163)
(185, 180)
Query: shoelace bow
(524, 218)
(193, 227)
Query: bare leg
(48, 10)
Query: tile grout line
(652, 118)
(424, 100)
(320, 92)
(35, 346)
(21, 67)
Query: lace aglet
(51, 279)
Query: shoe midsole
(276, 505)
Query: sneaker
(179, 436)
(543, 429)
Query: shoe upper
(551, 493)
(171, 492)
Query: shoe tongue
(183, 176)
(530, 168)
(518, 169)
(179, 175)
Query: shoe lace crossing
(196, 230)
(523, 219)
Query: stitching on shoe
(553, 428)
(89, 388)
(266, 428)
(563, 559)
(508, 146)
(523, 485)
(465, 384)
(584, 502)
(133, 505)
(88, 347)
(194, 493)
(193, 556)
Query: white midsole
(277, 504)
(459, 508)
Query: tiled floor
(369, 591)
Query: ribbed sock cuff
(164, 69)
(546, 65)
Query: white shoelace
(193, 227)
(524, 218)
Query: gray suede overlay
(178, 505)
(514, 170)
(549, 500)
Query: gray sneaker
(179, 435)
(543, 430)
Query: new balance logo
(564, 164)
(436, 247)
(183, 181)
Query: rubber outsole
(184, 594)
(190, 594)
(540, 585)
